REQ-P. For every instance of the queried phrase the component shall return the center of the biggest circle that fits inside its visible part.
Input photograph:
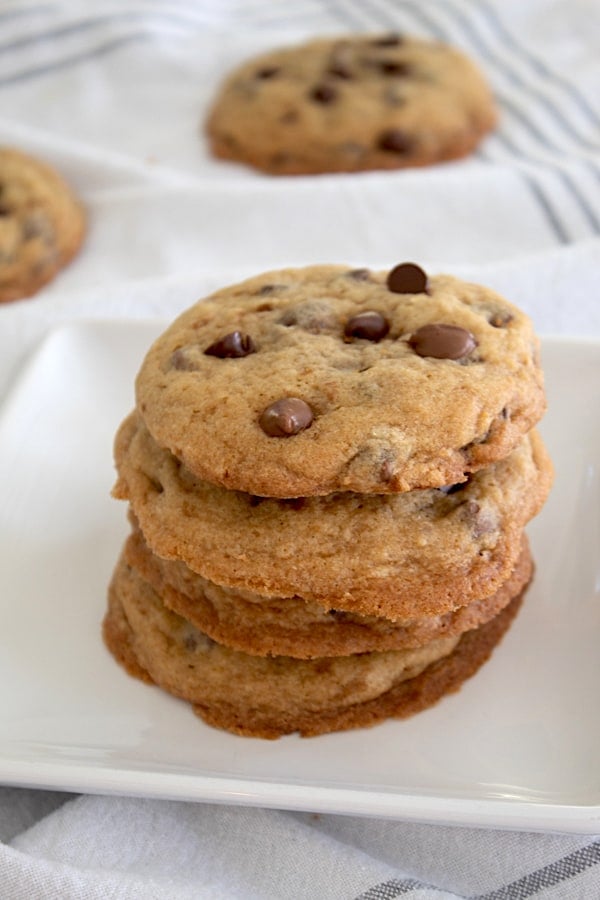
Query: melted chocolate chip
(266, 289)
(393, 67)
(393, 95)
(267, 72)
(453, 488)
(286, 417)
(386, 473)
(370, 325)
(340, 70)
(181, 361)
(294, 502)
(323, 93)
(407, 278)
(359, 274)
(232, 346)
(394, 140)
(314, 316)
(387, 40)
(500, 319)
(4, 211)
(340, 61)
(442, 341)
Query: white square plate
(516, 747)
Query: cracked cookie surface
(308, 381)
(351, 104)
(42, 224)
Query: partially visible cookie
(42, 224)
(406, 555)
(279, 695)
(309, 381)
(292, 626)
(350, 104)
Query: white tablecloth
(113, 94)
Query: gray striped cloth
(113, 94)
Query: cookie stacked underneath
(329, 472)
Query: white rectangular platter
(516, 747)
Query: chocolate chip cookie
(41, 224)
(292, 626)
(400, 556)
(353, 103)
(278, 695)
(309, 381)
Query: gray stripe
(100, 50)
(547, 877)
(469, 28)
(534, 130)
(536, 64)
(585, 207)
(562, 870)
(89, 24)
(25, 13)
(388, 890)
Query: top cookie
(350, 104)
(41, 224)
(307, 381)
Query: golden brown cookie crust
(309, 696)
(384, 417)
(294, 627)
(400, 556)
(42, 224)
(351, 104)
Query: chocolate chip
(393, 67)
(314, 316)
(386, 473)
(296, 503)
(340, 69)
(453, 488)
(231, 346)
(359, 274)
(4, 211)
(286, 417)
(394, 140)
(323, 93)
(370, 325)
(407, 278)
(340, 62)
(181, 361)
(266, 289)
(267, 72)
(393, 95)
(485, 522)
(442, 341)
(387, 40)
(500, 319)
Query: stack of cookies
(329, 472)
